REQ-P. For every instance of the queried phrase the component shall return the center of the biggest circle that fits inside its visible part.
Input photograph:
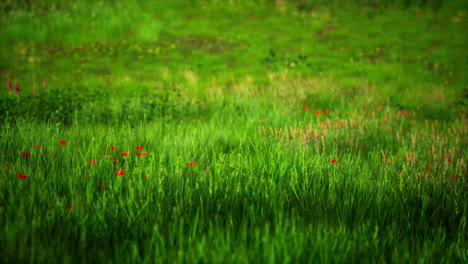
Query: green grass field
(233, 131)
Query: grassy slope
(229, 96)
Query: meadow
(233, 131)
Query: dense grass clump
(233, 132)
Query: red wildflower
(119, 173)
(142, 154)
(431, 149)
(427, 166)
(364, 108)
(17, 89)
(69, 207)
(191, 164)
(116, 162)
(341, 165)
(305, 107)
(92, 161)
(326, 111)
(113, 148)
(449, 160)
(125, 154)
(37, 146)
(98, 185)
(50, 154)
(379, 106)
(403, 112)
(453, 176)
(62, 142)
(426, 171)
(24, 154)
(145, 177)
(22, 176)
(6, 168)
(138, 148)
(317, 112)
(333, 160)
(384, 120)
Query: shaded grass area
(286, 132)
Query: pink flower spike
(17, 89)
(9, 84)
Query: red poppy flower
(113, 148)
(379, 106)
(62, 142)
(364, 108)
(427, 166)
(6, 168)
(125, 154)
(426, 171)
(37, 146)
(326, 111)
(449, 160)
(116, 162)
(317, 112)
(119, 173)
(24, 154)
(453, 176)
(92, 161)
(138, 148)
(305, 107)
(69, 207)
(22, 176)
(384, 120)
(341, 165)
(191, 164)
(431, 149)
(98, 185)
(403, 112)
(142, 154)
(145, 177)
(333, 160)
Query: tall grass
(322, 140)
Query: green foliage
(273, 132)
